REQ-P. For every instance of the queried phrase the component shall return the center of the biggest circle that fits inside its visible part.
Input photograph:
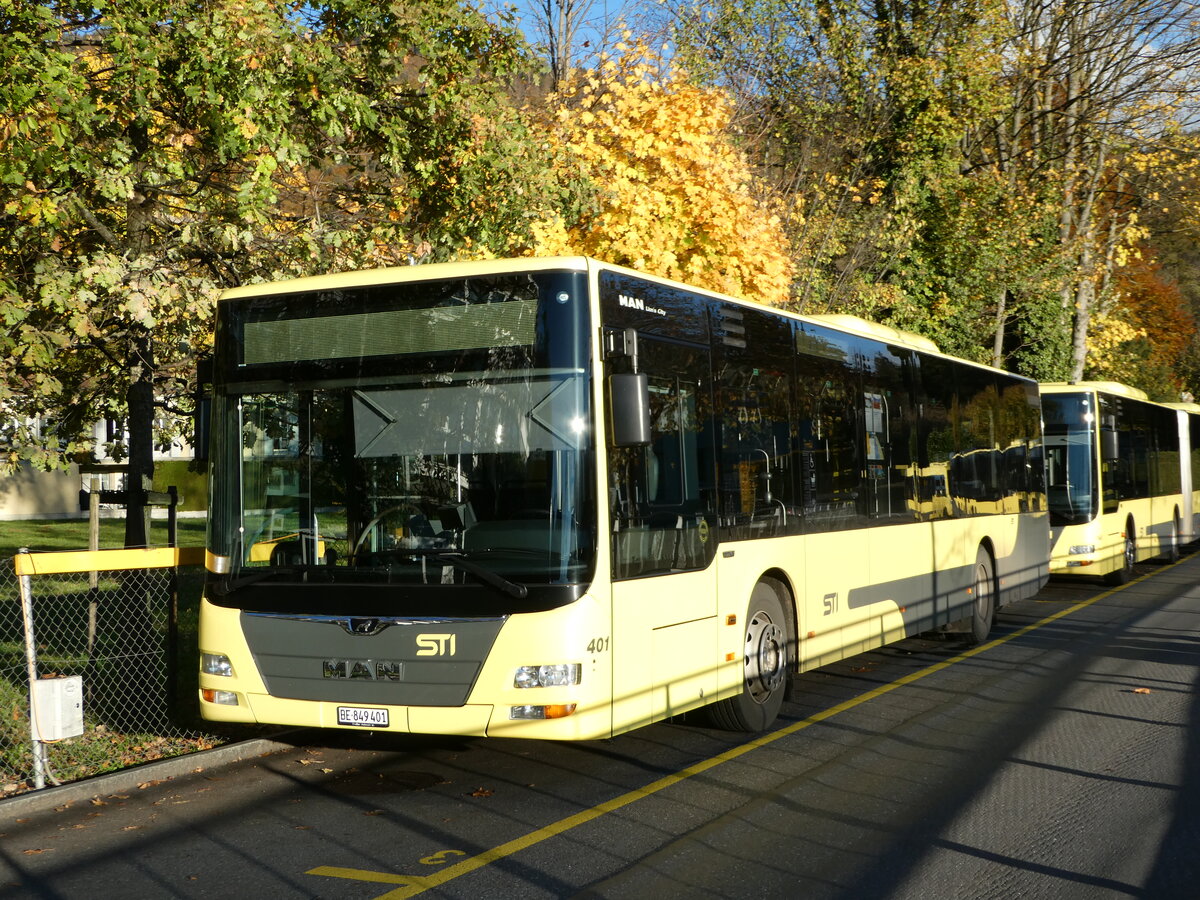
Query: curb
(51, 798)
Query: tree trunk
(1085, 294)
(1001, 321)
(140, 399)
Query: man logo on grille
(364, 627)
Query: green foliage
(866, 111)
(958, 169)
(157, 151)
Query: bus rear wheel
(983, 610)
(766, 657)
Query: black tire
(766, 659)
(983, 610)
(1172, 553)
(1124, 574)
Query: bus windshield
(1070, 458)
(437, 465)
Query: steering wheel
(380, 516)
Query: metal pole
(39, 761)
(173, 610)
(93, 579)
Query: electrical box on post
(57, 708)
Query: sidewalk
(124, 780)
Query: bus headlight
(216, 664)
(547, 676)
(1082, 549)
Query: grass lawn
(41, 535)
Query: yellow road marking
(440, 858)
(414, 885)
(361, 875)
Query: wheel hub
(766, 657)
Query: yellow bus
(1115, 466)
(1189, 449)
(554, 498)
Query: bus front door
(663, 543)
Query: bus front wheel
(1172, 554)
(1124, 574)
(766, 656)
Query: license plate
(363, 716)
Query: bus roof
(1102, 387)
(399, 274)
(424, 271)
(876, 330)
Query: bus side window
(829, 446)
(657, 491)
(755, 396)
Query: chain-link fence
(130, 634)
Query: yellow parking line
(412, 885)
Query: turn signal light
(550, 711)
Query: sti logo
(436, 644)
(639, 304)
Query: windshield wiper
(496, 580)
(225, 587)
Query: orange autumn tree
(1144, 339)
(674, 195)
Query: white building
(34, 494)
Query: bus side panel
(664, 647)
(901, 598)
(1166, 514)
(1153, 520)
(837, 569)
(1022, 549)
(1018, 545)
(955, 547)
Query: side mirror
(1110, 448)
(629, 410)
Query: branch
(101, 229)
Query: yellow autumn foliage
(676, 196)
(1108, 336)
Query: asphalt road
(1060, 760)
